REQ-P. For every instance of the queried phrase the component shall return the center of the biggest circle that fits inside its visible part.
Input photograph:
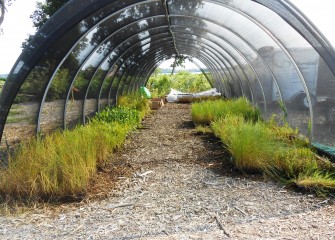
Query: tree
(3, 4)
(42, 13)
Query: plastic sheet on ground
(178, 96)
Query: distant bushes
(2, 82)
(63, 163)
(263, 146)
(161, 84)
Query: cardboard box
(156, 103)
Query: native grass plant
(60, 164)
(63, 163)
(278, 151)
(205, 112)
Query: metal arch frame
(203, 56)
(73, 79)
(49, 34)
(105, 58)
(130, 54)
(130, 74)
(87, 9)
(223, 64)
(211, 67)
(247, 62)
(135, 83)
(65, 57)
(326, 51)
(236, 35)
(146, 78)
(212, 61)
(141, 46)
(255, 73)
(99, 66)
(151, 66)
(243, 56)
(112, 64)
(127, 52)
(245, 59)
(238, 66)
(283, 48)
(154, 65)
(152, 57)
(130, 51)
(141, 72)
(127, 91)
(248, 44)
(133, 53)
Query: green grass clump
(276, 150)
(63, 163)
(319, 182)
(203, 113)
(250, 144)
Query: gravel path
(180, 189)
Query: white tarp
(177, 96)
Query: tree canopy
(42, 13)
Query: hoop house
(90, 52)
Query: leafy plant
(119, 114)
(135, 101)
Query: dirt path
(180, 190)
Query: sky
(17, 25)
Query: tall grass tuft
(203, 113)
(278, 151)
(63, 163)
(250, 144)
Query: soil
(169, 182)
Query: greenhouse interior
(91, 52)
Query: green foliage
(203, 129)
(135, 101)
(277, 151)
(60, 164)
(63, 163)
(2, 82)
(161, 84)
(119, 114)
(208, 111)
(42, 13)
(250, 144)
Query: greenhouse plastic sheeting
(90, 52)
